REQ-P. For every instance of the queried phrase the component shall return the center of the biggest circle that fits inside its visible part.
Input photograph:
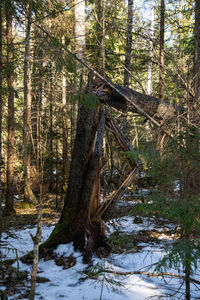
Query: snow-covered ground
(74, 284)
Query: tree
(197, 51)
(1, 104)
(127, 64)
(10, 150)
(162, 43)
(27, 105)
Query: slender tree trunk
(150, 64)
(64, 112)
(27, 104)
(197, 52)
(128, 44)
(1, 104)
(50, 142)
(100, 9)
(10, 150)
(162, 43)
(80, 46)
(36, 104)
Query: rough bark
(154, 107)
(127, 64)
(10, 150)
(82, 179)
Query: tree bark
(162, 43)
(64, 112)
(127, 64)
(154, 107)
(197, 51)
(81, 191)
(9, 209)
(1, 103)
(27, 104)
(100, 9)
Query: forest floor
(128, 272)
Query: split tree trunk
(82, 195)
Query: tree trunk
(81, 191)
(80, 46)
(64, 112)
(100, 9)
(127, 64)
(36, 104)
(197, 51)
(150, 63)
(10, 150)
(27, 105)
(152, 106)
(162, 43)
(1, 104)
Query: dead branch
(147, 274)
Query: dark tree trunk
(162, 43)
(160, 109)
(1, 103)
(100, 9)
(128, 44)
(27, 104)
(82, 191)
(10, 150)
(197, 51)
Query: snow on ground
(74, 284)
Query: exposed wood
(102, 210)
(121, 138)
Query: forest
(99, 149)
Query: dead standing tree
(82, 211)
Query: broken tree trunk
(82, 194)
(141, 104)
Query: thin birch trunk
(80, 46)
